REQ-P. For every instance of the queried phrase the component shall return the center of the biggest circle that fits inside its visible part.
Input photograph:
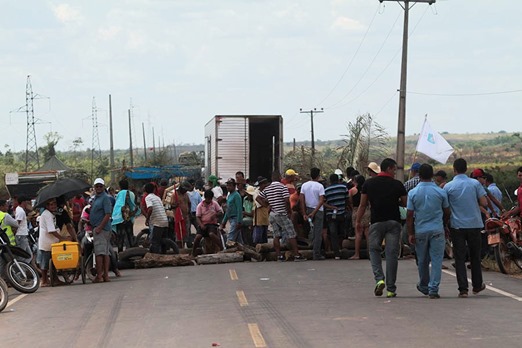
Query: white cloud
(346, 23)
(67, 14)
(108, 33)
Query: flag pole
(415, 152)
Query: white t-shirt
(22, 217)
(312, 190)
(218, 192)
(158, 217)
(47, 225)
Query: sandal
(117, 273)
(106, 280)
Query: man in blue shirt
(465, 195)
(428, 206)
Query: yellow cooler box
(66, 255)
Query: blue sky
(181, 62)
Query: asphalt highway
(263, 304)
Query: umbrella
(67, 187)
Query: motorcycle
(3, 295)
(20, 274)
(505, 237)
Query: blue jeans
(389, 231)
(315, 234)
(234, 234)
(429, 246)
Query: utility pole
(95, 145)
(130, 141)
(401, 129)
(144, 143)
(311, 112)
(111, 164)
(153, 143)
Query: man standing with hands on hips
(101, 211)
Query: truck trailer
(252, 144)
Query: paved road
(266, 304)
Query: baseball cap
(290, 172)
(231, 181)
(477, 173)
(99, 181)
(338, 172)
(415, 166)
(374, 167)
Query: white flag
(433, 145)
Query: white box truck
(252, 144)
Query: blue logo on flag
(431, 139)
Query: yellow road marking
(233, 274)
(258, 339)
(242, 298)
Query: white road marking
(18, 298)
(489, 287)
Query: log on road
(250, 252)
(220, 258)
(151, 260)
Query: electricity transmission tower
(401, 129)
(31, 148)
(95, 147)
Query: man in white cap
(101, 211)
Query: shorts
(209, 228)
(282, 226)
(42, 258)
(102, 242)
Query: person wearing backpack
(123, 214)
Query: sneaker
(281, 258)
(463, 294)
(299, 258)
(424, 292)
(476, 291)
(391, 294)
(379, 287)
(320, 258)
(434, 296)
(337, 257)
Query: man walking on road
(384, 193)
(465, 195)
(311, 201)
(427, 206)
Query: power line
(384, 69)
(369, 65)
(353, 57)
(467, 94)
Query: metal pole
(311, 112)
(144, 144)
(130, 141)
(401, 128)
(111, 142)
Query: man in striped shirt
(156, 217)
(336, 197)
(276, 195)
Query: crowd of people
(373, 206)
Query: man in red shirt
(78, 203)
